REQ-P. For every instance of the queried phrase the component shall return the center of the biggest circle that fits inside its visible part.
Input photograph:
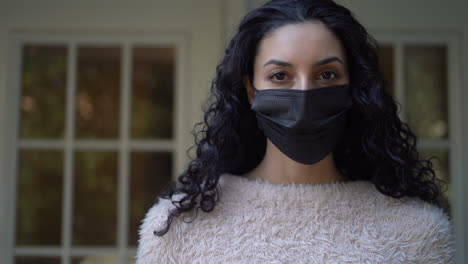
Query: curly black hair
(376, 147)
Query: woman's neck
(278, 168)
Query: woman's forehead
(300, 42)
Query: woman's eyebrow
(318, 63)
(327, 60)
(278, 62)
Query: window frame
(123, 145)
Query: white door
(97, 102)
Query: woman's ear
(248, 87)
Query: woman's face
(299, 56)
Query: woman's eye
(279, 76)
(328, 75)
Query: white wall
(3, 111)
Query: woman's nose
(304, 83)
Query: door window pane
(37, 260)
(149, 173)
(43, 84)
(386, 57)
(96, 260)
(39, 199)
(153, 92)
(99, 260)
(95, 199)
(426, 90)
(98, 92)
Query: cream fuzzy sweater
(256, 221)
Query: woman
(303, 158)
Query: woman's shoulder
(414, 211)
(421, 227)
(153, 248)
(419, 230)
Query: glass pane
(95, 203)
(39, 198)
(43, 91)
(426, 91)
(98, 92)
(153, 92)
(99, 260)
(37, 260)
(149, 173)
(386, 56)
(441, 168)
(96, 260)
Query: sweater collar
(257, 188)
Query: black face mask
(305, 125)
